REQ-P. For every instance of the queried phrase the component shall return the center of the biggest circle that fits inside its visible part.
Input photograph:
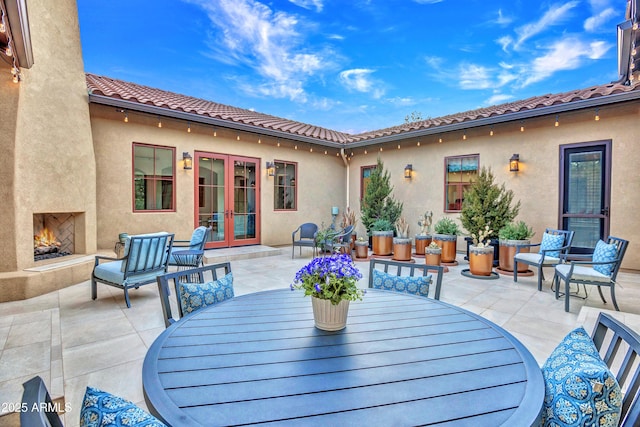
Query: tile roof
(118, 89)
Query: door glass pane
(211, 196)
(585, 183)
(244, 199)
(587, 231)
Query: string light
(439, 140)
(380, 149)
(311, 149)
(521, 126)
(295, 147)
(7, 50)
(398, 146)
(325, 152)
(159, 122)
(238, 137)
(126, 117)
(365, 151)
(189, 128)
(491, 131)
(557, 120)
(215, 132)
(259, 141)
(418, 143)
(464, 135)
(597, 117)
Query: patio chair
(416, 282)
(306, 237)
(601, 270)
(198, 238)
(145, 257)
(554, 248)
(342, 240)
(39, 410)
(207, 285)
(579, 376)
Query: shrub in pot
(511, 236)
(382, 236)
(481, 253)
(432, 254)
(423, 239)
(445, 235)
(402, 241)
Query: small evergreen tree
(377, 202)
(487, 203)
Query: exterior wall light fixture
(407, 171)
(514, 163)
(187, 160)
(271, 169)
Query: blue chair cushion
(112, 272)
(100, 409)
(418, 285)
(194, 296)
(551, 241)
(604, 252)
(197, 238)
(579, 388)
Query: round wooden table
(401, 360)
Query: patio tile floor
(72, 341)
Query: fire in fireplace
(53, 235)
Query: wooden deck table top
(402, 360)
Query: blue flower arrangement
(331, 278)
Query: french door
(226, 198)
(585, 176)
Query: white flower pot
(329, 317)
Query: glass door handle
(605, 211)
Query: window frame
(362, 178)
(276, 187)
(155, 178)
(459, 185)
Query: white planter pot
(329, 317)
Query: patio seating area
(72, 341)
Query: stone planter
(382, 242)
(422, 241)
(402, 249)
(362, 249)
(432, 256)
(447, 243)
(480, 260)
(329, 317)
(508, 251)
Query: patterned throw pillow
(579, 388)
(101, 409)
(194, 296)
(551, 241)
(418, 285)
(603, 253)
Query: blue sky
(354, 65)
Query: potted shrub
(423, 239)
(362, 248)
(382, 236)
(402, 241)
(487, 203)
(349, 218)
(446, 236)
(378, 202)
(432, 254)
(511, 236)
(481, 253)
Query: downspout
(346, 163)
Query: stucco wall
(536, 185)
(54, 159)
(320, 177)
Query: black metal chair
(395, 268)
(145, 257)
(307, 237)
(199, 237)
(619, 347)
(211, 272)
(342, 240)
(37, 408)
(545, 257)
(584, 273)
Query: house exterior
(97, 157)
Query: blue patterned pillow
(418, 285)
(194, 296)
(102, 409)
(604, 252)
(551, 241)
(579, 388)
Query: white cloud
(360, 80)
(501, 19)
(428, 1)
(309, 4)
(594, 23)
(505, 42)
(554, 15)
(402, 101)
(498, 99)
(434, 61)
(474, 77)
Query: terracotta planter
(382, 242)
(481, 260)
(329, 317)
(401, 249)
(432, 256)
(448, 244)
(362, 249)
(422, 241)
(508, 251)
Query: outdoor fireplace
(53, 235)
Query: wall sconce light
(187, 160)
(271, 169)
(407, 171)
(514, 163)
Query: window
(460, 173)
(365, 177)
(285, 194)
(153, 178)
